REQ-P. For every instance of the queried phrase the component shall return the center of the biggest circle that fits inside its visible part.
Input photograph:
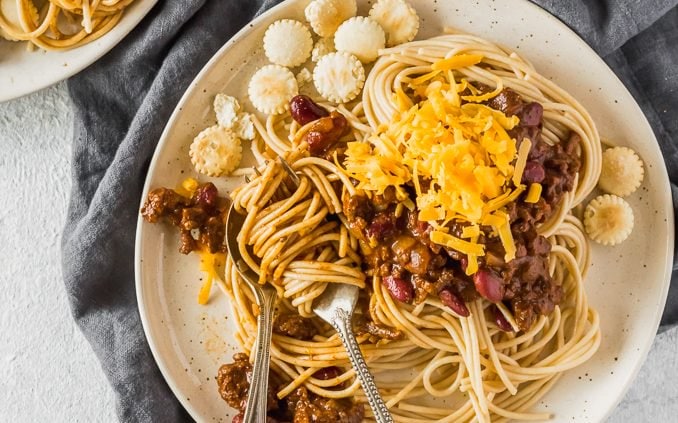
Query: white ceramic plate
(23, 72)
(626, 284)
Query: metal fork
(265, 295)
(335, 306)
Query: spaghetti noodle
(45, 27)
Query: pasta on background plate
(59, 25)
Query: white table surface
(48, 371)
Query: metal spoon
(265, 295)
(335, 306)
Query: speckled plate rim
(644, 345)
(55, 66)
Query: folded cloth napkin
(123, 102)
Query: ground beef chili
(408, 263)
(203, 213)
(294, 326)
(234, 381)
(301, 406)
(411, 267)
(310, 408)
(363, 325)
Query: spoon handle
(255, 410)
(342, 323)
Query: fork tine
(292, 174)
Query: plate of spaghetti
(490, 186)
(44, 42)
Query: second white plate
(23, 72)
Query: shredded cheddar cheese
(460, 245)
(534, 193)
(504, 231)
(403, 101)
(453, 150)
(523, 151)
(472, 266)
(508, 197)
(470, 231)
(492, 220)
(456, 62)
(209, 263)
(187, 187)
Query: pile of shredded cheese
(463, 151)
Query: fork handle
(342, 323)
(255, 410)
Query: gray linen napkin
(123, 102)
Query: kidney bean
(317, 143)
(399, 289)
(489, 285)
(325, 132)
(238, 418)
(501, 321)
(206, 195)
(534, 173)
(381, 227)
(327, 373)
(305, 110)
(531, 114)
(454, 302)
